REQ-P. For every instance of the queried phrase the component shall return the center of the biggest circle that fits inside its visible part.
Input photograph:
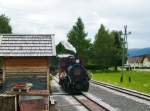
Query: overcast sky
(58, 17)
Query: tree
(117, 49)
(78, 38)
(4, 24)
(4, 28)
(103, 48)
(60, 49)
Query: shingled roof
(27, 45)
(136, 59)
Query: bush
(93, 67)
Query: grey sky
(58, 16)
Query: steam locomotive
(73, 77)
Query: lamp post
(125, 43)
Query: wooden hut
(26, 58)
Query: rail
(91, 104)
(123, 90)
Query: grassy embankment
(140, 80)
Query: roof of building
(136, 59)
(27, 45)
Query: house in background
(136, 61)
(142, 61)
(146, 61)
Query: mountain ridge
(138, 51)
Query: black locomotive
(73, 77)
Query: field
(140, 81)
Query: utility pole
(125, 45)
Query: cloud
(58, 17)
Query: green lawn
(140, 80)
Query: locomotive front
(79, 78)
(73, 76)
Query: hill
(137, 52)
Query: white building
(146, 61)
(136, 61)
(139, 61)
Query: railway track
(91, 104)
(123, 90)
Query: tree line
(103, 53)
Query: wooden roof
(136, 59)
(27, 45)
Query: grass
(140, 81)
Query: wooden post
(48, 79)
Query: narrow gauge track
(90, 104)
(123, 90)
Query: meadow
(140, 81)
